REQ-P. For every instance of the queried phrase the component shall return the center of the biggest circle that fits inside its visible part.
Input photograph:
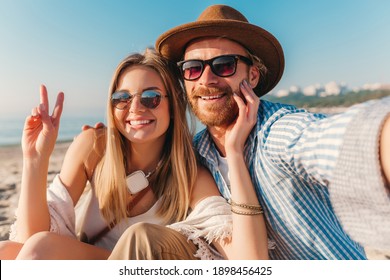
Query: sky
(74, 46)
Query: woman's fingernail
(42, 107)
(34, 112)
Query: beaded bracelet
(246, 206)
(246, 212)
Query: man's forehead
(212, 45)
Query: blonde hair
(174, 179)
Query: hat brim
(258, 41)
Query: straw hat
(224, 21)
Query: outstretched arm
(39, 136)
(384, 150)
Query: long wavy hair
(174, 179)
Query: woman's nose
(135, 104)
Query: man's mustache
(212, 91)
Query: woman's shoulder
(205, 186)
(90, 139)
(89, 146)
(203, 172)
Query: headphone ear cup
(136, 182)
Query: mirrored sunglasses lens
(120, 99)
(192, 70)
(224, 66)
(150, 99)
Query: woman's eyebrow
(145, 89)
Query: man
(323, 182)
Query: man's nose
(208, 77)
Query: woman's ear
(254, 76)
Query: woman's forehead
(140, 77)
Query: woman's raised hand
(40, 129)
(238, 132)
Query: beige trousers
(144, 241)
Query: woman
(147, 131)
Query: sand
(11, 161)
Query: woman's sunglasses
(122, 99)
(222, 66)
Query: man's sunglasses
(122, 99)
(222, 66)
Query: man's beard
(221, 114)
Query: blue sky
(74, 46)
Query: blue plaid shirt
(291, 155)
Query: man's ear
(254, 76)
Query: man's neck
(218, 135)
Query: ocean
(11, 129)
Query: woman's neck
(144, 157)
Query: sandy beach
(10, 179)
(11, 163)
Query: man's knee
(143, 241)
(139, 241)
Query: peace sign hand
(40, 129)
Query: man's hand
(85, 127)
(97, 126)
